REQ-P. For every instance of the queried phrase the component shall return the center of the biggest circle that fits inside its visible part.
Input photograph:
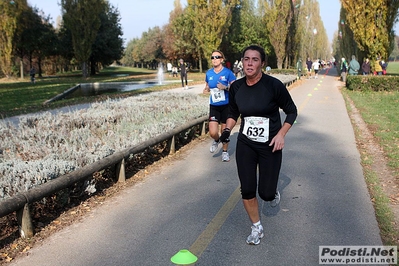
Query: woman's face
(217, 59)
(252, 63)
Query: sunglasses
(216, 56)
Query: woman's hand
(222, 87)
(278, 142)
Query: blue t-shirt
(225, 77)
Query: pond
(91, 89)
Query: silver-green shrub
(46, 145)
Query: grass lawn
(21, 96)
(393, 68)
(381, 113)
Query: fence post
(25, 222)
(203, 131)
(172, 146)
(120, 171)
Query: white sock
(258, 224)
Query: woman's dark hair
(256, 48)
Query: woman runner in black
(257, 98)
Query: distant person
(218, 80)
(384, 66)
(228, 65)
(240, 68)
(299, 68)
(316, 66)
(174, 71)
(169, 67)
(366, 67)
(378, 67)
(183, 73)
(354, 66)
(344, 69)
(309, 64)
(235, 68)
(32, 74)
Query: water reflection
(92, 89)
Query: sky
(137, 16)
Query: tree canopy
(210, 21)
(371, 24)
(108, 45)
(10, 12)
(82, 18)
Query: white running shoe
(276, 200)
(225, 156)
(214, 146)
(256, 235)
(186, 88)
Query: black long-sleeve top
(263, 99)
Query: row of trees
(286, 29)
(365, 29)
(89, 34)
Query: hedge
(372, 83)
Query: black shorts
(252, 157)
(218, 113)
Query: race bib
(256, 128)
(217, 95)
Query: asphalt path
(194, 202)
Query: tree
(23, 35)
(128, 54)
(277, 19)
(371, 22)
(347, 44)
(9, 14)
(63, 48)
(34, 37)
(82, 18)
(151, 50)
(138, 48)
(211, 20)
(246, 28)
(395, 52)
(178, 36)
(108, 46)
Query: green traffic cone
(183, 257)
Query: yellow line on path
(198, 247)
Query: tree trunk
(84, 70)
(92, 68)
(200, 61)
(21, 67)
(280, 63)
(39, 62)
